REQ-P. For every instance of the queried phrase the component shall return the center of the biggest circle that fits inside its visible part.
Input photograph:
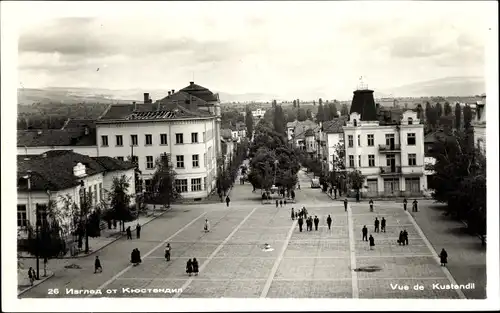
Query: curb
(112, 241)
(39, 282)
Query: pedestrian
(377, 223)
(129, 233)
(195, 266)
(277, 203)
(138, 230)
(444, 257)
(206, 228)
(189, 267)
(31, 275)
(365, 233)
(301, 222)
(293, 215)
(335, 192)
(305, 212)
(114, 224)
(284, 202)
(227, 201)
(281, 203)
(345, 204)
(310, 223)
(292, 193)
(298, 186)
(415, 206)
(372, 242)
(316, 222)
(296, 214)
(405, 202)
(329, 221)
(97, 265)
(307, 224)
(371, 205)
(401, 240)
(382, 224)
(405, 237)
(167, 252)
(331, 191)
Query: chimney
(169, 93)
(173, 91)
(191, 83)
(146, 97)
(79, 170)
(135, 105)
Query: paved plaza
(326, 263)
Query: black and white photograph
(242, 151)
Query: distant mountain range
(450, 86)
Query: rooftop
(200, 92)
(335, 126)
(149, 111)
(56, 137)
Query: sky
(289, 49)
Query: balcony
(389, 148)
(390, 170)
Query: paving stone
(401, 267)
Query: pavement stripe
(285, 279)
(300, 257)
(436, 257)
(150, 252)
(188, 282)
(352, 250)
(278, 261)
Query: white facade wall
(84, 150)
(205, 148)
(361, 151)
(332, 139)
(311, 144)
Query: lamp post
(82, 185)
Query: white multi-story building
(390, 156)
(176, 127)
(259, 113)
(333, 135)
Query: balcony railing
(390, 170)
(387, 148)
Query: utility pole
(85, 205)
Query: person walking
(307, 224)
(227, 201)
(129, 233)
(298, 186)
(284, 202)
(114, 224)
(316, 222)
(167, 252)
(405, 237)
(365, 233)
(382, 224)
(401, 240)
(415, 206)
(97, 265)
(345, 204)
(443, 257)
(372, 242)
(31, 275)
(371, 205)
(301, 222)
(281, 203)
(377, 223)
(405, 203)
(293, 215)
(329, 221)
(189, 267)
(277, 203)
(305, 212)
(206, 228)
(195, 266)
(138, 230)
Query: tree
(432, 117)
(120, 200)
(279, 120)
(274, 103)
(231, 117)
(447, 108)
(320, 101)
(163, 182)
(439, 110)
(314, 102)
(301, 115)
(309, 114)
(419, 112)
(320, 116)
(467, 116)
(290, 114)
(249, 122)
(332, 111)
(458, 116)
(355, 180)
(294, 103)
(298, 103)
(344, 110)
(428, 109)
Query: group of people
(137, 229)
(280, 202)
(379, 225)
(414, 207)
(135, 257)
(192, 267)
(403, 238)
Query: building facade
(333, 137)
(479, 125)
(258, 114)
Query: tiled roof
(79, 124)
(56, 137)
(182, 98)
(335, 126)
(309, 133)
(149, 111)
(200, 92)
(113, 164)
(55, 171)
(118, 111)
(302, 127)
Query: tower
(363, 102)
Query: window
(148, 185)
(351, 161)
(410, 121)
(390, 140)
(133, 140)
(149, 162)
(359, 160)
(149, 139)
(180, 161)
(411, 140)
(195, 184)
(355, 123)
(119, 140)
(22, 216)
(41, 213)
(350, 140)
(371, 140)
(372, 185)
(104, 141)
(94, 198)
(179, 139)
(194, 137)
(163, 139)
(412, 159)
(181, 185)
(196, 160)
(120, 158)
(390, 159)
(100, 191)
(412, 184)
(359, 140)
(371, 160)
